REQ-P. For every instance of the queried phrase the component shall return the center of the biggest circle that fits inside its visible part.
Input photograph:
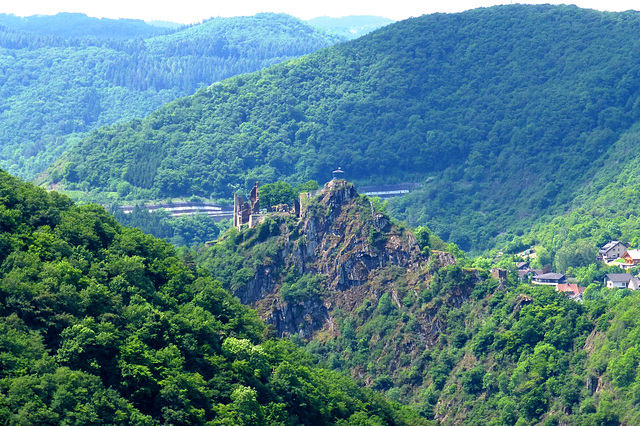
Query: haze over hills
(54, 88)
(502, 114)
(74, 25)
(350, 27)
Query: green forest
(102, 324)
(450, 342)
(518, 122)
(57, 86)
(502, 114)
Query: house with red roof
(573, 291)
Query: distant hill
(503, 114)
(74, 25)
(164, 24)
(350, 27)
(53, 89)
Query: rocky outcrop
(340, 236)
(351, 240)
(260, 286)
(303, 318)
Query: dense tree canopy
(57, 85)
(501, 114)
(102, 324)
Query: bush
(472, 382)
(303, 288)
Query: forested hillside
(502, 114)
(101, 324)
(74, 25)
(604, 209)
(495, 354)
(371, 299)
(53, 88)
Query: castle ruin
(244, 212)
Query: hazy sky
(191, 11)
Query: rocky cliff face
(355, 286)
(351, 240)
(358, 252)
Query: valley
(501, 138)
(267, 221)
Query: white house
(622, 281)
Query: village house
(550, 278)
(573, 291)
(631, 258)
(622, 281)
(525, 273)
(611, 251)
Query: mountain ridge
(501, 113)
(73, 25)
(108, 80)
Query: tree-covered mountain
(502, 114)
(350, 27)
(77, 25)
(53, 89)
(102, 324)
(370, 298)
(604, 209)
